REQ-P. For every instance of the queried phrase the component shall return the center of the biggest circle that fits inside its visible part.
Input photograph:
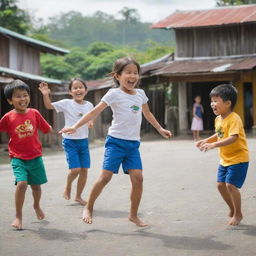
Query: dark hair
(15, 85)
(119, 66)
(76, 79)
(225, 92)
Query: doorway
(248, 106)
(203, 90)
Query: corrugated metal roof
(213, 66)
(36, 43)
(212, 17)
(156, 64)
(100, 84)
(10, 73)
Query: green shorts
(32, 171)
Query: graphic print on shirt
(135, 109)
(25, 130)
(219, 132)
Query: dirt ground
(185, 213)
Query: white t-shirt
(127, 113)
(73, 111)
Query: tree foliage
(96, 60)
(13, 18)
(234, 2)
(130, 15)
(77, 30)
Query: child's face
(128, 78)
(20, 100)
(220, 107)
(198, 99)
(78, 91)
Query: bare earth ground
(180, 202)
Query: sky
(149, 10)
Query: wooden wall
(24, 58)
(216, 41)
(4, 51)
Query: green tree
(74, 29)
(96, 60)
(234, 2)
(130, 15)
(55, 67)
(153, 51)
(102, 65)
(98, 48)
(13, 18)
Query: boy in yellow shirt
(231, 140)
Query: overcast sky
(149, 10)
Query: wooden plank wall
(156, 95)
(216, 41)
(24, 57)
(4, 51)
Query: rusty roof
(156, 64)
(211, 17)
(205, 66)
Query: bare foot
(231, 213)
(66, 194)
(80, 200)
(39, 213)
(235, 220)
(87, 216)
(17, 223)
(138, 222)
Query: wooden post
(239, 108)
(254, 102)
(183, 119)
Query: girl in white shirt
(76, 145)
(123, 140)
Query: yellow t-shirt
(236, 152)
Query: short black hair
(15, 85)
(76, 79)
(225, 92)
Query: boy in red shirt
(25, 149)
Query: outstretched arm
(152, 120)
(210, 139)
(44, 89)
(207, 146)
(85, 119)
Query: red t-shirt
(22, 129)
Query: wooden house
(212, 47)
(20, 59)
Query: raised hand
(44, 88)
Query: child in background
(22, 124)
(231, 140)
(197, 121)
(123, 140)
(76, 146)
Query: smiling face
(220, 107)
(128, 78)
(78, 91)
(20, 100)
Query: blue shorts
(77, 153)
(233, 174)
(119, 151)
